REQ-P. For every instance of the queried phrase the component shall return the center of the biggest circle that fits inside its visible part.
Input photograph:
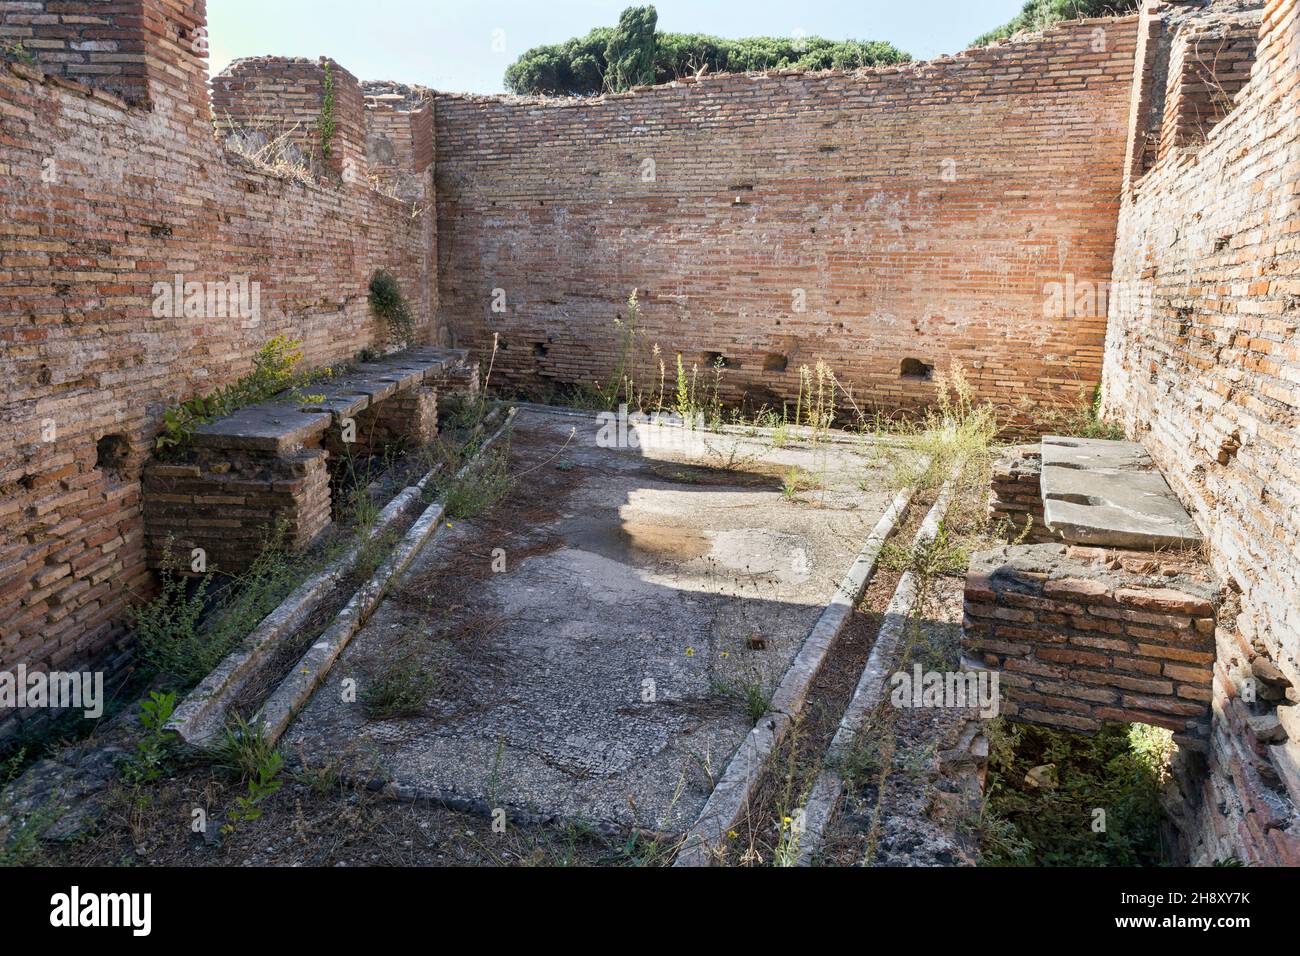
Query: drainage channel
(870, 691)
(751, 817)
(838, 635)
(282, 661)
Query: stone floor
(593, 644)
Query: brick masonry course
(1015, 496)
(916, 212)
(1085, 637)
(100, 199)
(1206, 374)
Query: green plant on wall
(16, 51)
(327, 124)
(274, 371)
(390, 306)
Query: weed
(752, 694)
(244, 751)
(1079, 419)
(1121, 771)
(787, 846)
(794, 481)
(263, 785)
(327, 123)
(176, 637)
(276, 154)
(372, 551)
(16, 51)
(402, 689)
(147, 763)
(20, 838)
(274, 371)
(479, 488)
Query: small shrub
(479, 489)
(244, 752)
(181, 637)
(1121, 770)
(274, 371)
(390, 306)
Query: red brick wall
(1085, 637)
(1208, 66)
(99, 201)
(922, 210)
(399, 149)
(286, 96)
(1208, 377)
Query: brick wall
(1207, 377)
(1208, 65)
(1016, 495)
(1084, 637)
(918, 212)
(399, 140)
(285, 96)
(100, 200)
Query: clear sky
(466, 45)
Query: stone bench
(1088, 491)
(266, 467)
(1110, 493)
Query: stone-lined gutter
(870, 691)
(201, 718)
(294, 691)
(736, 788)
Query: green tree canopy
(630, 54)
(1041, 14)
(634, 53)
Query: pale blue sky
(448, 44)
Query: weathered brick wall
(98, 43)
(1016, 495)
(286, 96)
(133, 48)
(99, 201)
(915, 212)
(1207, 377)
(1208, 65)
(1084, 637)
(399, 140)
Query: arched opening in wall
(717, 360)
(775, 362)
(112, 453)
(913, 369)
